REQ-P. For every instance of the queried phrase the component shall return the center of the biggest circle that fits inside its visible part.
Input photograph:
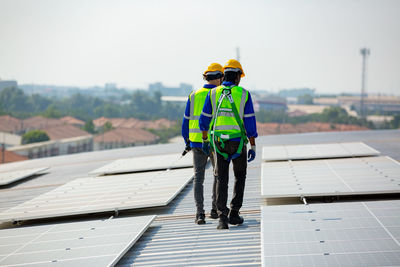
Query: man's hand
(187, 148)
(251, 155)
(206, 147)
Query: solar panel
(104, 193)
(89, 243)
(317, 151)
(13, 176)
(148, 163)
(351, 176)
(336, 234)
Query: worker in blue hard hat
(228, 117)
(193, 138)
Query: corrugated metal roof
(174, 239)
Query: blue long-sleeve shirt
(186, 117)
(249, 118)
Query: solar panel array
(148, 163)
(351, 176)
(317, 151)
(9, 177)
(339, 234)
(88, 243)
(104, 193)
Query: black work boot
(213, 214)
(223, 222)
(200, 218)
(234, 217)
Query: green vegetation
(395, 123)
(167, 133)
(52, 112)
(333, 115)
(34, 136)
(107, 127)
(89, 127)
(305, 99)
(138, 104)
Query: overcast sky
(283, 44)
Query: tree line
(139, 104)
(334, 115)
(146, 106)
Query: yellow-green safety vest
(225, 121)
(197, 99)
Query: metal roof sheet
(174, 239)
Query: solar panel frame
(317, 151)
(335, 234)
(103, 194)
(72, 243)
(9, 177)
(330, 177)
(146, 163)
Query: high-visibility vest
(225, 121)
(197, 99)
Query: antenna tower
(237, 53)
(365, 52)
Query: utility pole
(238, 54)
(3, 153)
(365, 52)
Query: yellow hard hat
(234, 64)
(214, 67)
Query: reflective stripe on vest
(226, 121)
(197, 100)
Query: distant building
(270, 103)
(55, 147)
(72, 121)
(388, 105)
(39, 122)
(9, 139)
(123, 137)
(327, 101)
(134, 123)
(182, 90)
(296, 92)
(7, 84)
(10, 124)
(287, 128)
(8, 156)
(306, 109)
(110, 86)
(380, 120)
(60, 132)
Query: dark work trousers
(222, 171)
(199, 163)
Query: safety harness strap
(220, 137)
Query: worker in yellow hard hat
(193, 138)
(228, 118)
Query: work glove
(187, 148)
(206, 147)
(251, 155)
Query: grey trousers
(222, 170)
(199, 163)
